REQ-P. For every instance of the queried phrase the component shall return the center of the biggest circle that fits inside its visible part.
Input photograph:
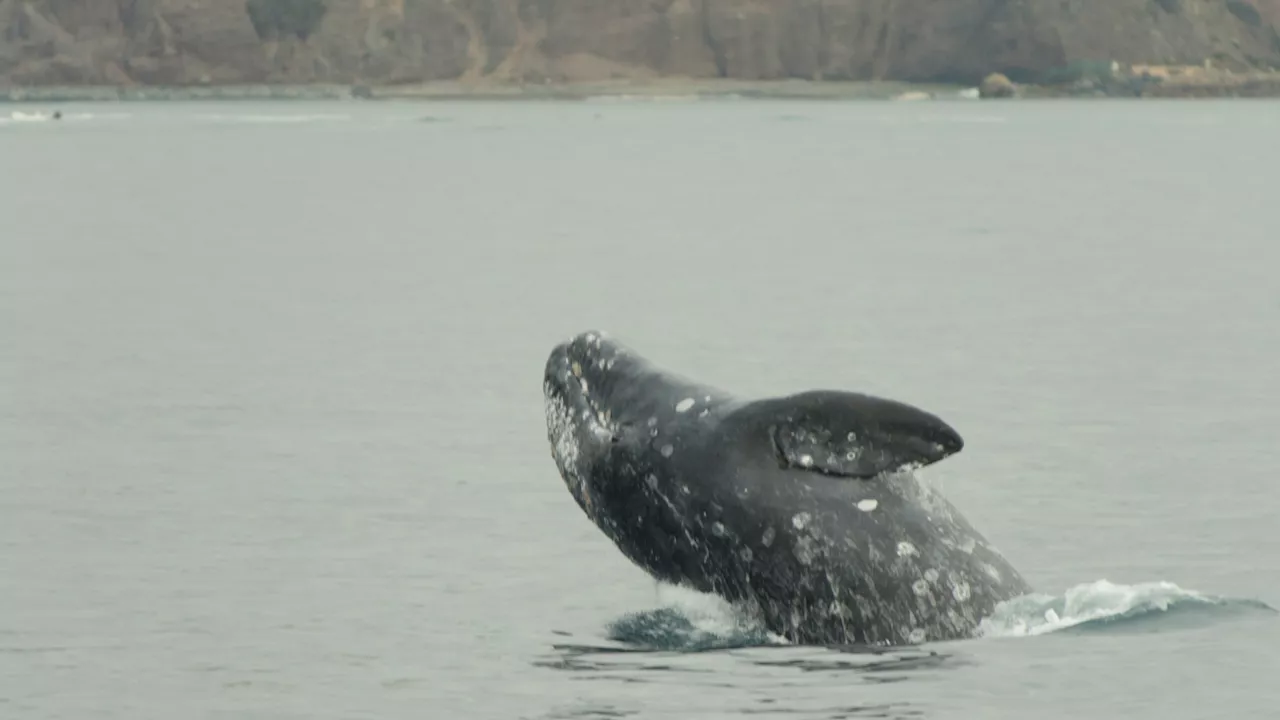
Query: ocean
(273, 434)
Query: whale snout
(579, 360)
(580, 372)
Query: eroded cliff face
(185, 42)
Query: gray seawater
(273, 441)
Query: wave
(17, 117)
(692, 622)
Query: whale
(804, 510)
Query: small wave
(20, 117)
(17, 116)
(1093, 606)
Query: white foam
(1038, 613)
(709, 614)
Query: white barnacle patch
(806, 460)
(920, 587)
(968, 545)
(561, 430)
(906, 549)
(800, 520)
(717, 529)
(991, 571)
(931, 575)
(868, 505)
(916, 636)
(652, 481)
(684, 405)
(746, 554)
(667, 450)
(768, 536)
(804, 550)
(960, 591)
(577, 369)
(653, 422)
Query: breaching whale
(802, 509)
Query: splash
(687, 621)
(1107, 605)
(690, 621)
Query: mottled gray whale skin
(803, 509)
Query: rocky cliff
(186, 42)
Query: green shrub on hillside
(281, 18)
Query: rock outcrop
(380, 42)
(996, 85)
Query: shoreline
(447, 91)
(1152, 83)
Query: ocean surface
(272, 431)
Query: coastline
(657, 89)
(1137, 83)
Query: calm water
(272, 428)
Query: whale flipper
(857, 436)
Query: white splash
(1040, 613)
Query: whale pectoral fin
(857, 436)
(804, 446)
